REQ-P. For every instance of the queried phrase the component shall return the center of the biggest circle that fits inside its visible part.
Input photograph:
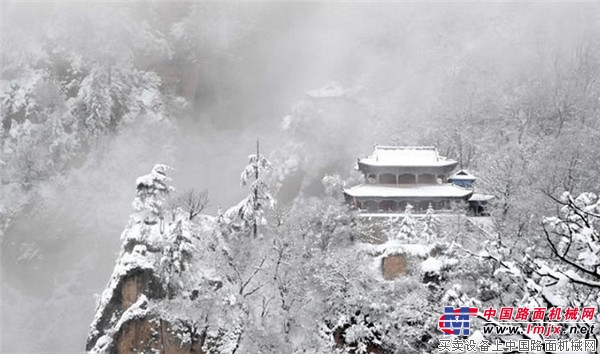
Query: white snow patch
(436, 265)
(407, 156)
(392, 247)
(431, 265)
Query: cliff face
(167, 289)
(155, 335)
(132, 314)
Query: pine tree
(407, 225)
(251, 209)
(151, 192)
(429, 232)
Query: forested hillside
(94, 95)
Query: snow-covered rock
(165, 293)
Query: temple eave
(413, 191)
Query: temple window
(387, 205)
(427, 179)
(387, 178)
(402, 206)
(407, 179)
(369, 205)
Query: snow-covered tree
(251, 210)
(151, 192)
(574, 240)
(191, 201)
(334, 185)
(407, 227)
(430, 225)
(568, 277)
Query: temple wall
(398, 170)
(382, 204)
(404, 178)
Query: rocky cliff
(167, 290)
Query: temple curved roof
(404, 156)
(462, 175)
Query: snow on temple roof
(462, 175)
(406, 156)
(476, 197)
(330, 90)
(412, 190)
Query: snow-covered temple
(399, 175)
